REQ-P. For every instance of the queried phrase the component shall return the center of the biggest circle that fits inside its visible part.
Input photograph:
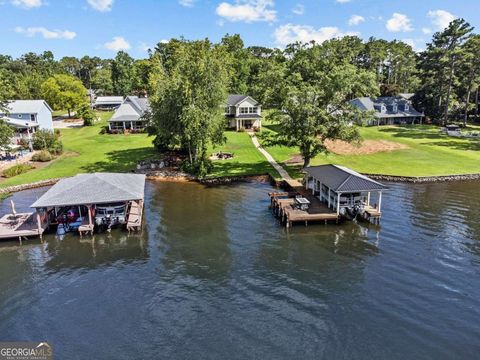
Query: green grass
(428, 153)
(86, 150)
(247, 159)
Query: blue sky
(102, 27)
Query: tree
(122, 74)
(315, 106)
(438, 68)
(187, 103)
(64, 92)
(470, 72)
(6, 133)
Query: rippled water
(214, 276)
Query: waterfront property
(345, 191)
(107, 102)
(100, 200)
(389, 110)
(26, 117)
(130, 115)
(243, 112)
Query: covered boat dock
(83, 194)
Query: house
(130, 115)
(26, 117)
(343, 189)
(108, 102)
(390, 110)
(243, 112)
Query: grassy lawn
(427, 153)
(86, 150)
(247, 159)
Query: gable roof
(96, 188)
(369, 104)
(234, 100)
(132, 109)
(26, 106)
(342, 179)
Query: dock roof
(341, 179)
(96, 188)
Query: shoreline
(181, 177)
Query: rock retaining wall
(423, 179)
(15, 188)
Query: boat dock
(329, 193)
(135, 214)
(22, 226)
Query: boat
(108, 215)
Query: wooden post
(338, 204)
(368, 199)
(379, 201)
(329, 198)
(39, 224)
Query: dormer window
(406, 107)
(32, 117)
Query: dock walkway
(135, 213)
(20, 226)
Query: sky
(103, 27)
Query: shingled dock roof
(96, 188)
(341, 179)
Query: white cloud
(47, 34)
(186, 3)
(27, 4)
(426, 30)
(414, 44)
(343, 1)
(247, 11)
(118, 43)
(144, 47)
(287, 34)
(299, 9)
(101, 5)
(355, 20)
(399, 23)
(440, 18)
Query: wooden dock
(21, 226)
(135, 214)
(283, 206)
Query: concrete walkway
(269, 158)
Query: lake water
(215, 276)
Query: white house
(130, 115)
(243, 112)
(26, 117)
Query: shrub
(47, 140)
(17, 170)
(242, 129)
(42, 156)
(87, 114)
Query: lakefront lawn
(419, 150)
(87, 150)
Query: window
(227, 110)
(252, 110)
(244, 110)
(32, 117)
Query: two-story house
(389, 110)
(243, 112)
(26, 117)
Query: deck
(20, 226)
(134, 220)
(282, 204)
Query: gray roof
(132, 109)
(233, 100)
(96, 188)
(26, 106)
(341, 179)
(368, 104)
(248, 116)
(109, 100)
